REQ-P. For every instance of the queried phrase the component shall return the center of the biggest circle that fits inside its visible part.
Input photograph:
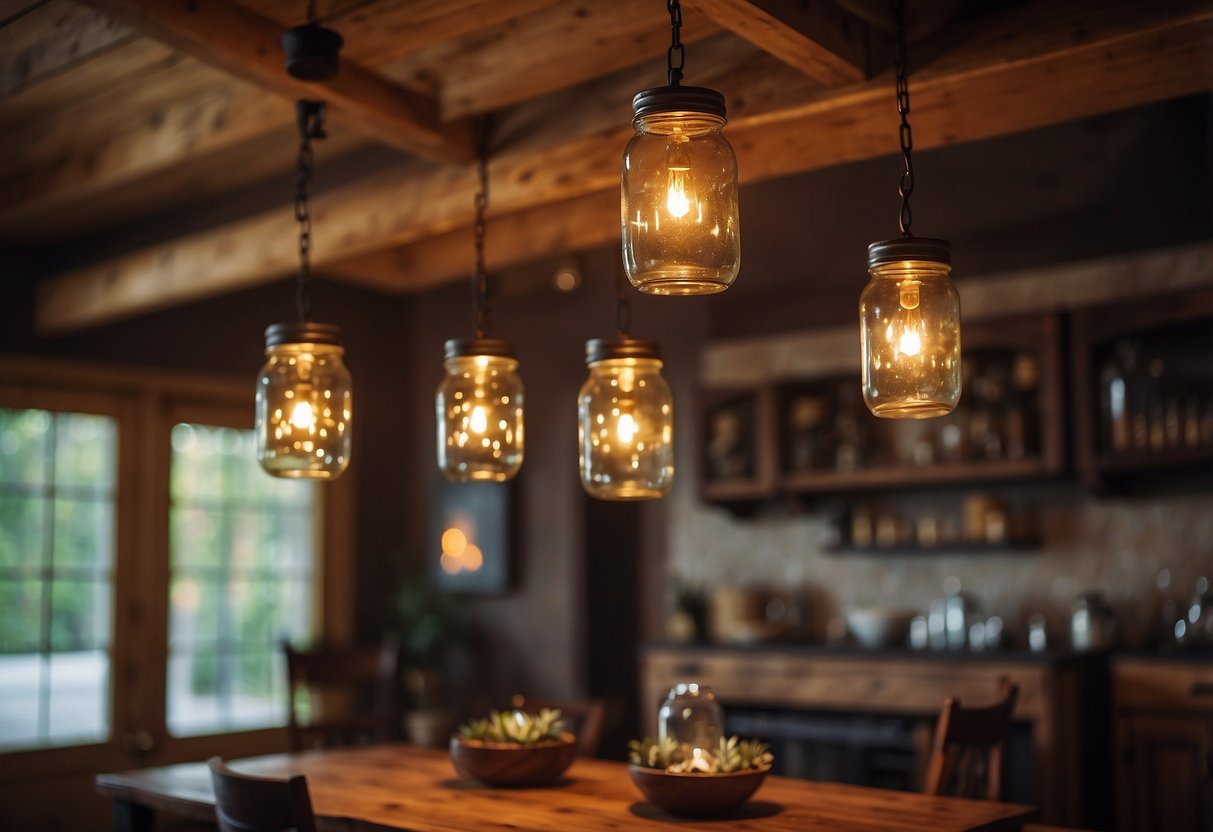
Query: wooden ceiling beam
(84, 165)
(389, 30)
(512, 239)
(1033, 66)
(822, 41)
(50, 39)
(248, 46)
(548, 50)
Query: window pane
(79, 697)
(241, 560)
(20, 615)
(23, 441)
(84, 451)
(20, 682)
(57, 477)
(22, 522)
(80, 615)
(194, 471)
(84, 533)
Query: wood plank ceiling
(118, 112)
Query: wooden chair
(260, 804)
(584, 717)
(966, 756)
(351, 694)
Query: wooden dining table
(402, 787)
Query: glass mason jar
(626, 422)
(479, 409)
(693, 718)
(304, 402)
(681, 234)
(910, 330)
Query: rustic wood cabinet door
(1164, 774)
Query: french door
(148, 573)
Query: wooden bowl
(696, 795)
(508, 764)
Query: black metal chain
(623, 305)
(311, 12)
(310, 115)
(905, 135)
(675, 56)
(480, 277)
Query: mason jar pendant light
(679, 218)
(304, 392)
(625, 416)
(479, 401)
(910, 311)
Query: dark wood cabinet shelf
(966, 547)
(803, 482)
(1129, 461)
(1143, 389)
(808, 437)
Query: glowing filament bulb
(910, 340)
(626, 428)
(479, 421)
(678, 197)
(302, 416)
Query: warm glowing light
(626, 428)
(676, 201)
(479, 421)
(910, 343)
(910, 330)
(302, 416)
(454, 541)
(472, 558)
(450, 564)
(303, 403)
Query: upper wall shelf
(816, 436)
(1143, 398)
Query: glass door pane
(57, 509)
(242, 553)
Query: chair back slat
(355, 689)
(966, 757)
(244, 803)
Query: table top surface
(402, 787)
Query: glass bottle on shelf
(1117, 382)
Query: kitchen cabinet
(1164, 732)
(737, 445)
(1143, 397)
(1056, 696)
(815, 436)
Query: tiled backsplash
(1116, 546)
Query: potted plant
(697, 782)
(514, 748)
(430, 626)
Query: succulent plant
(516, 727)
(733, 754)
(742, 755)
(653, 754)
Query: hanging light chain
(675, 56)
(311, 12)
(905, 135)
(623, 306)
(480, 278)
(311, 126)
